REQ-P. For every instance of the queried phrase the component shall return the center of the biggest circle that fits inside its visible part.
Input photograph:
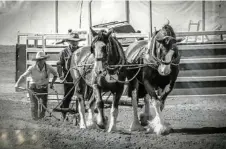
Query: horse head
(106, 50)
(164, 49)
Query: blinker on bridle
(160, 61)
(99, 59)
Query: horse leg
(157, 124)
(164, 94)
(163, 97)
(135, 126)
(148, 113)
(79, 93)
(90, 119)
(100, 107)
(114, 111)
(81, 107)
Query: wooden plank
(203, 60)
(36, 37)
(201, 78)
(54, 49)
(29, 62)
(202, 46)
(180, 34)
(199, 91)
(200, 84)
(202, 66)
(26, 34)
(130, 35)
(33, 50)
(48, 37)
(202, 43)
(53, 45)
(203, 53)
(202, 72)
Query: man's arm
(59, 70)
(54, 76)
(60, 65)
(22, 77)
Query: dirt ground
(198, 122)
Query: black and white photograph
(112, 74)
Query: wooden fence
(202, 67)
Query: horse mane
(169, 30)
(115, 49)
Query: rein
(126, 82)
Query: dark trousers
(35, 112)
(68, 93)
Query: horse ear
(109, 33)
(180, 39)
(93, 32)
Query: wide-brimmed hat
(74, 37)
(40, 55)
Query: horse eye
(104, 48)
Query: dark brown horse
(160, 59)
(97, 72)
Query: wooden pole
(150, 17)
(90, 14)
(127, 11)
(203, 16)
(80, 17)
(56, 16)
(90, 21)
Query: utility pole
(90, 21)
(127, 10)
(203, 16)
(80, 17)
(150, 17)
(56, 16)
(90, 14)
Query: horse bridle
(160, 61)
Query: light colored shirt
(39, 77)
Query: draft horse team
(149, 67)
(146, 66)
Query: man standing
(39, 73)
(63, 66)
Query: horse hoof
(136, 127)
(112, 129)
(101, 126)
(83, 127)
(91, 126)
(144, 123)
(162, 130)
(144, 118)
(150, 130)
